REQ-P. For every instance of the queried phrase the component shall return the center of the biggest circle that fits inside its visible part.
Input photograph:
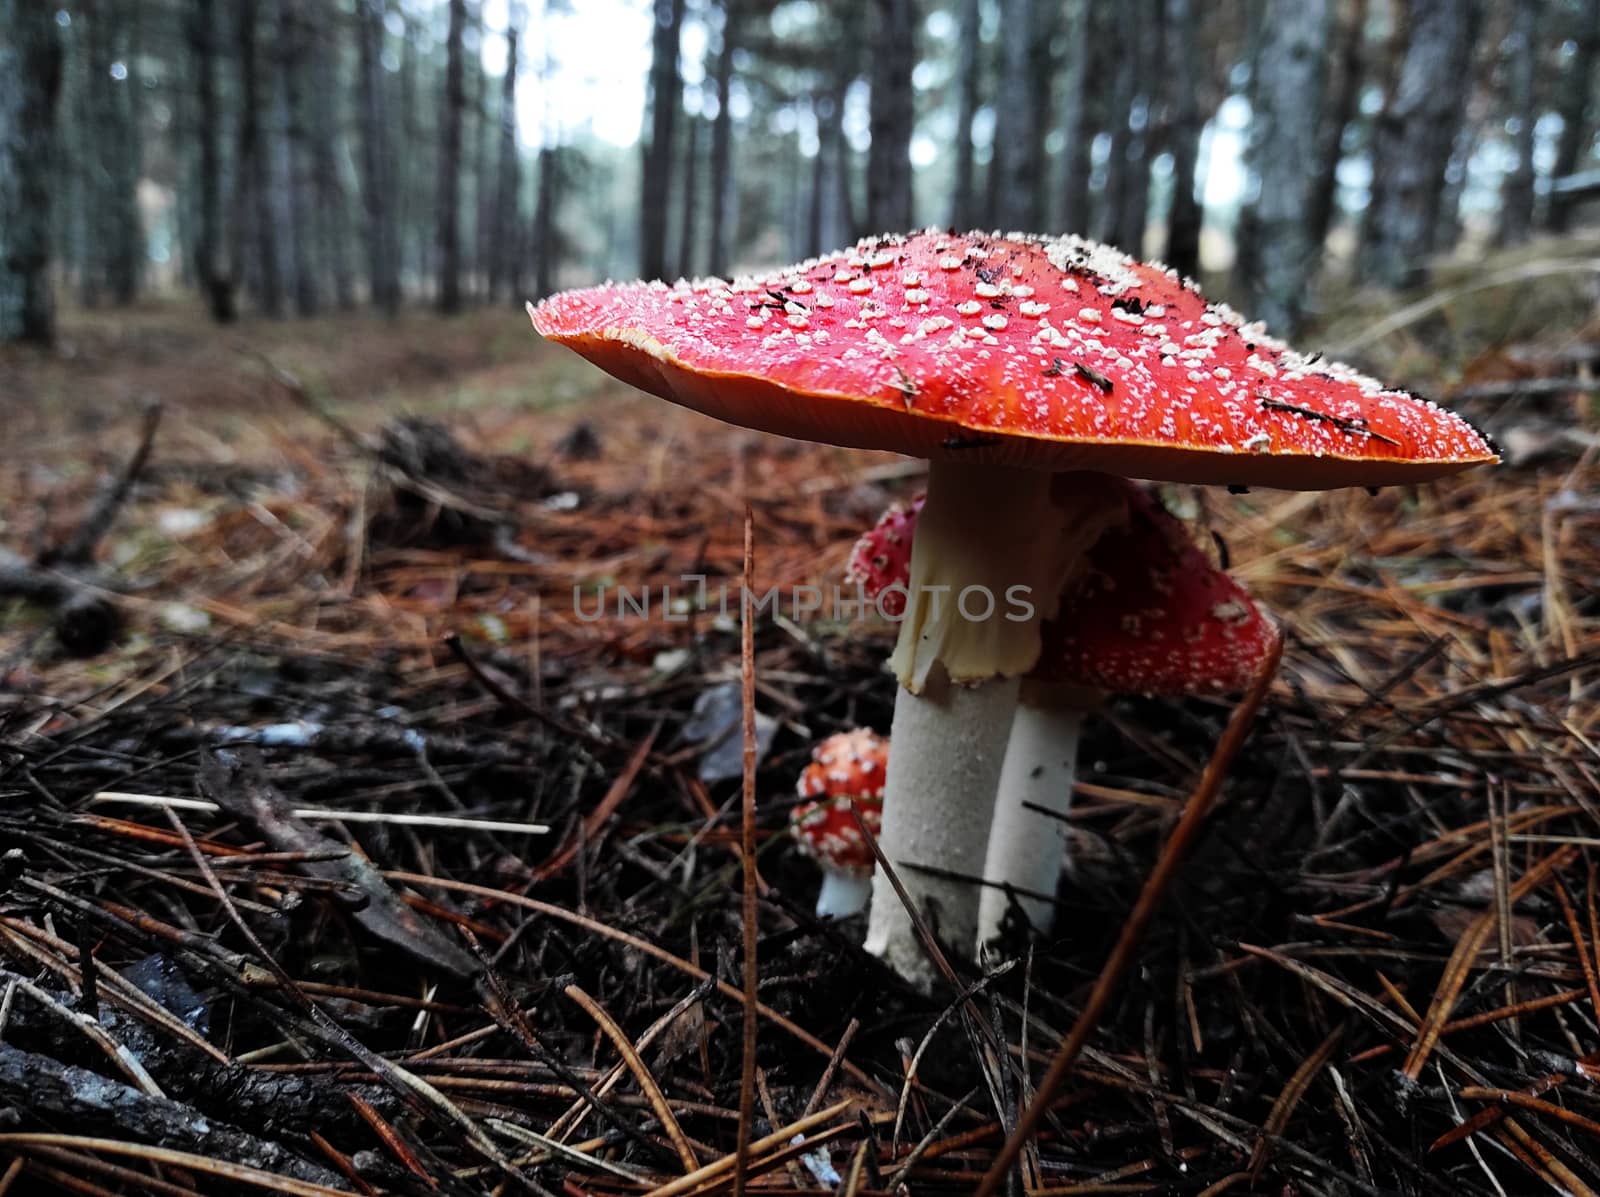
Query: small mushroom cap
(1150, 615)
(848, 764)
(1056, 354)
(827, 831)
(1153, 615)
(880, 562)
(846, 768)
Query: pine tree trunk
(447, 235)
(483, 192)
(1522, 55)
(1576, 106)
(656, 178)
(1184, 127)
(1344, 92)
(889, 195)
(297, 182)
(30, 68)
(1135, 206)
(1072, 210)
(1124, 83)
(1014, 120)
(722, 144)
(254, 211)
(963, 212)
(1416, 134)
(1287, 93)
(687, 202)
(505, 249)
(214, 267)
(546, 198)
(115, 245)
(326, 137)
(377, 184)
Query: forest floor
(1378, 974)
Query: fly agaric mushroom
(846, 770)
(1151, 615)
(1003, 360)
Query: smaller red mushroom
(880, 562)
(846, 771)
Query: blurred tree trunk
(547, 193)
(1576, 105)
(293, 45)
(1015, 168)
(505, 254)
(282, 237)
(1416, 133)
(1522, 57)
(215, 266)
(412, 174)
(377, 183)
(1183, 130)
(1123, 90)
(893, 114)
(1344, 94)
(115, 247)
(1287, 92)
(963, 213)
(1146, 16)
(544, 221)
(655, 184)
(30, 66)
(448, 227)
(326, 146)
(722, 143)
(687, 184)
(254, 209)
(1245, 233)
(483, 192)
(1077, 137)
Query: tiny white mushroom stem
(843, 893)
(993, 549)
(1028, 838)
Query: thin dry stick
(747, 839)
(652, 1091)
(317, 813)
(241, 1174)
(777, 1139)
(1166, 867)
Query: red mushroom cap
(846, 768)
(1153, 615)
(1057, 354)
(880, 562)
(1150, 615)
(848, 764)
(827, 831)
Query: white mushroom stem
(993, 549)
(1028, 838)
(843, 893)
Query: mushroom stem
(843, 894)
(938, 799)
(1028, 838)
(993, 548)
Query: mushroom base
(1028, 838)
(945, 762)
